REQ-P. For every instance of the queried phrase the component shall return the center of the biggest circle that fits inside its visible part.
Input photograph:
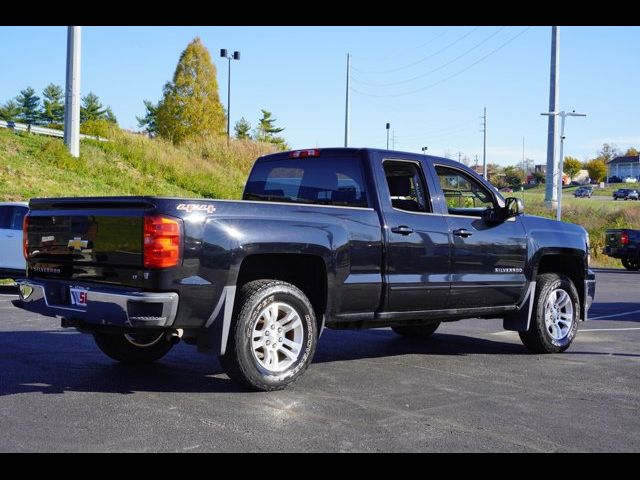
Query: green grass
(129, 164)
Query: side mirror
(513, 206)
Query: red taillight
(25, 236)
(161, 241)
(624, 238)
(314, 152)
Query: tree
(597, 169)
(608, 152)
(91, 108)
(266, 131)
(539, 177)
(29, 104)
(53, 104)
(109, 116)
(631, 152)
(572, 166)
(242, 129)
(190, 106)
(513, 176)
(10, 111)
(149, 121)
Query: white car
(630, 180)
(12, 263)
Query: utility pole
(484, 144)
(388, 126)
(346, 108)
(524, 168)
(393, 139)
(72, 92)
(235, 56)
(558, 186)
(550, 194)
(459, 157)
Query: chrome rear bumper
(104, 305)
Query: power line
(400, 82)
(404, 52)
(421, 60)
(450, 76)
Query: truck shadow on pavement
(58, 361)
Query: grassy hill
(129, 164)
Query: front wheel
(272, 337)
(632, 264)
(418, 331)
(133, 348)
(554, 321)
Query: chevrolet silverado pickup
(624, 243)
(338, 238)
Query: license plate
(78, 296)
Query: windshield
(320, 180)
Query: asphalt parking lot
(472, 387)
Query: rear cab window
(321, 179)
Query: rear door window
(328, 180)
(15, 217)
(4, 217)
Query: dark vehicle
(583, 192)
(338, 238)
(625, 245)
(614, 179)
(626, 194)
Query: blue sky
(430, 83)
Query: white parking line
(614, 315)
(607, 329)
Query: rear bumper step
(103, 306)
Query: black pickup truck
(337, 238)
(624, 243)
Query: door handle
(461, 232)
(402, 230)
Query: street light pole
(562, 116)
(388, 126)
(72, 92)
(235, 56)
(424, 150)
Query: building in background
(624, 167)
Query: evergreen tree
(266, 131)
(53, 104)
(29, 104)
(91, 108)
(190, 106)
(242, 129)
(10, 111)
(109, 116)
(149, 121)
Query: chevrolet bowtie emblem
(77, 244)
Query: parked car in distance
(630, 180)
(12, 263)
(624, 244)
(506, 190)
(614, 179)
(626, 194)
(583, 192)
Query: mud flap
(212, 339)
(519, 320)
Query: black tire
(133, 349)
(632, 264)
(539, 339)
(417, 331)
(244, 364)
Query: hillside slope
(129, 164)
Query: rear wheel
(134, 348)
(418, 331)
(272, 337)
(632, 264)
(554, 321)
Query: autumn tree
(597, 169)
(190, 106)
(572, 166)
(608, 152)
(631, 152)
(52, 104)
